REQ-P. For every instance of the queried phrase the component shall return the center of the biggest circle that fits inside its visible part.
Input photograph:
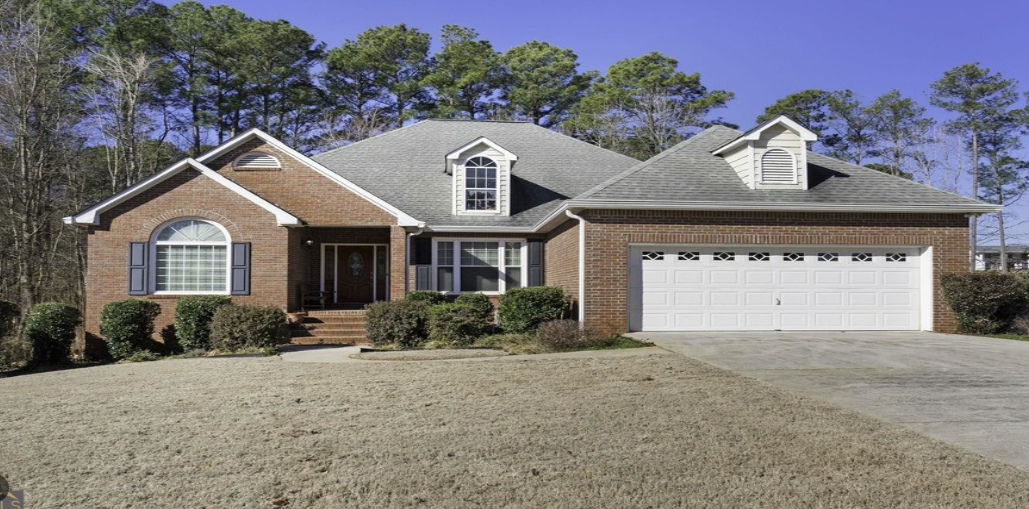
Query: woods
(98, 94)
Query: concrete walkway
(972, 392)
(344, 354)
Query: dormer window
(257, 161)
(778, 166)
(481, 190)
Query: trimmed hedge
(429, 297)
(399, 322)
(128, 325)
(50, 329)
(479, 302)
(193, 316)
(986, 302)
(8, 314)
(456, 324)
(524, 309)
(237, 327)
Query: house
(724, 231)
(988, 257)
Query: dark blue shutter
(422, 251)
(535, 262)
(139, 252)
(240, 268)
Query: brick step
(334, 319)
(330, 340)
(351, 331)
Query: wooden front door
(355, 272)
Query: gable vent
(778, 166)
(258, 160)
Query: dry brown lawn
(644, 431)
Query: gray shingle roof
(406, 167)
(688, 172)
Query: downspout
(582, 266)
(407, 257)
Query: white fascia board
(755, 133)
(983, 208)
(403, 219)
(483, 140)
(91, 216)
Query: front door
(349, 274)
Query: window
(759, 257)
(257, 161)
(689, 256)
(861, 257)
(896, 257)
(793, 257)
(479, 265)
(828, 257)
(725, 256)
(653, 255)
(191, 256)
(480, 176)
(778, 167)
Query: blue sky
(761, 50)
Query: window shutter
(535, 262)
(240, 268)
(138, 268)
(422, 251)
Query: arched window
(778, 167)
(480, 190)
(257, 161)
(191, 256)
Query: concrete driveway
(969, 391)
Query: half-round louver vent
(778, 167)
(257, 160)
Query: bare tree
(940, 160)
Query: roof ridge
(902, 179)
(643, 164)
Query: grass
(639, 431)
(1016, 337)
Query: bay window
(478, 265)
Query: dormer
(481, 172)
(772, 155)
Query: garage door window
(725, 256)
(653, 255)
(828, 257)
(759, 257)
(793, 257)
(861, 257)
(689, 256)
(896, 257)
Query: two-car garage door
(680, 288)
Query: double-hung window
(488, 266)
(192, 256)
(480, 189)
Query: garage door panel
(761, 288)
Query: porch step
(330, 327)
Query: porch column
(397, 261)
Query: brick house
(724, 231)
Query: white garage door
(678, 288)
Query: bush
(456, 324)
(193, 320)
(50, 329)
(429, 297)
(565, 335)
(524, 309)
(8, 314)
(128, 326)
(479, 302)
(237, 327)
(986, 302)
(399, 322)
(143, 356)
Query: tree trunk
(973, 228)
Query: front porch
(346, 268)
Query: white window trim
(496, 190)
(793, 164)
(153, 257)
(502, 268)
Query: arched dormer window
(191, 256)
(257, 160)
(480, 192)
(778, 166)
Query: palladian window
(480, 185)
(191, 256)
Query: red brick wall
(609, 233)
(187, 194)
(301, 191)
(561, 258)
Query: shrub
(1021, 324)
(985, 302)
(128, 325)
(8, 314)
(399, 322)
(237, 327)
(524, 309)
(429, 297)
(565, 335)
(455, 324)
(143, 356)
(193, 319)
(50, 329)
(479, 302)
